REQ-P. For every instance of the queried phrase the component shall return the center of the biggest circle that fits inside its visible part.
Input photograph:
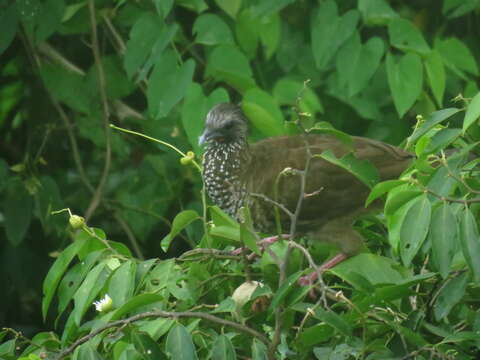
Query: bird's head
(224, 123)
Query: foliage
(73, 67)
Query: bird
(237, 174)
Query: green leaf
(470, 241)
(450, 295)
(414, 228)
(181, 221)
(399, 196)
(223, 349)
(374, 268)
(443, 233)
(433, 119)
(168, 84)
(436, 75)
(259, 350)
(456, 55)
(122, 283)
(382, 188)
(143, 35)
(269, 7)
(284, 290)
(406, 36)
(135, 303)
(51, 14)
(146, 346)
(288, 91)
(163, 7)
(357, 63)
(457, 8)
(67, 87)
(405, 79)
(270, 31)
(473, 112)
(210, 29)
(247, 236)
(179, 344)
(329, 31)
(231, 7)
(73, 278)
(227, 63)
(376, 12)
(363, 170)
(17, 211)
(89, 291)
(87, 352)
(247, 31)
(334, 320)
(263, 112)
(8, 26)
(56, 272)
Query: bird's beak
(208, 135)
(203, 138)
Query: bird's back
(335, 192)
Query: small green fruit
(76, 221)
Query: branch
(164, 314)
(97, 196)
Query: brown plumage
(233, 170)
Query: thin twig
(97, 196)
(164, 314)
(273, 202)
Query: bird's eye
(229, 125)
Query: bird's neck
(224, 169)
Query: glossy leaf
(405, 79)
(443, 233)
(181, 221)
(179, 344)
(414, 228)
(470, 241)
